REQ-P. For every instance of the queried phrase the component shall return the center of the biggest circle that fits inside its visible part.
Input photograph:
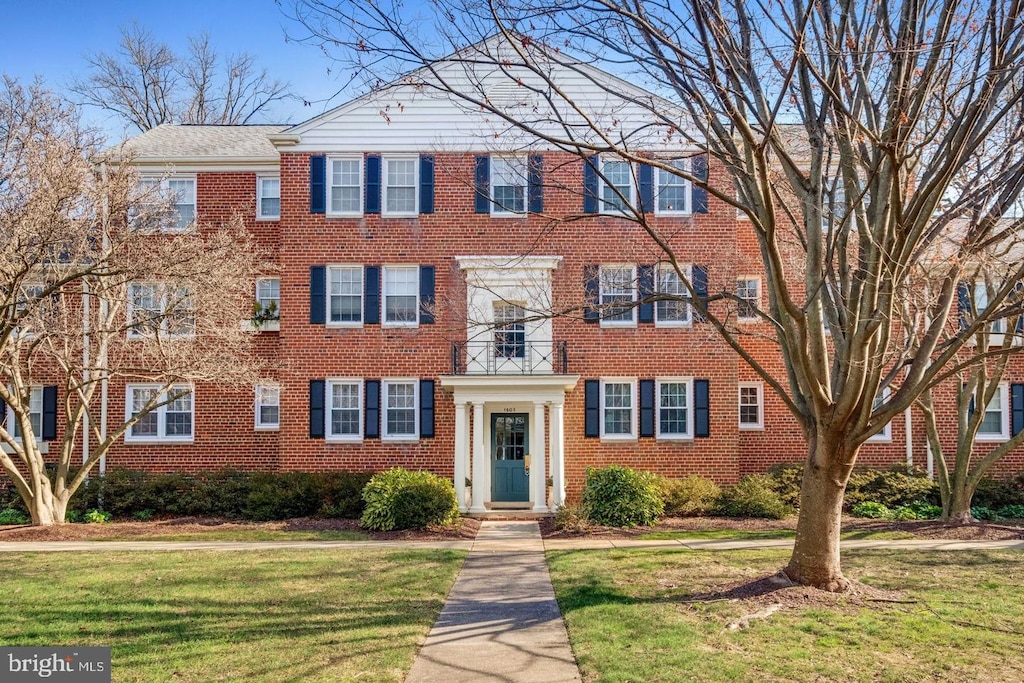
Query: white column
(479, 459)
(557, 454)
(461, 453)
(538, 468)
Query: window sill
(669, 324)
(266, 326)
(399, 326)
(142, 441)
(344, 326)
(673, 214)
(344, 439)
(617, 438)
(43, 446)
(267, 219)
(415, 214)
(991, 438)
(613, 325)
(400, 439)
(267, 428)
(674, 438)
(752, 428)
(508, 214)
(354, 214)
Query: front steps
(508, 512)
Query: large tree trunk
(815, 560)
(957, 507)
(45, 508)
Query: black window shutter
(371, 298)
(317, 416)
(592, 411)
(426, 295)
(426, 183)
(645, 282)
(701, 409)
(318, 184)
(49, 413)
(535, 181)
(426, 408)
(647, 407)
(3, 414)
(963, 296)
(1019, 289)
(317, 295)
(698, 195)
(482, 185)
(592, 289)
(371, 426)
(646, 174)
(700, 288)
(1016, 409)
(372, 183)
(590, 184)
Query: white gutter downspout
(103, 320)
(85, 368)
(910, 441)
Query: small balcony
(512, 357)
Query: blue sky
(49, 38)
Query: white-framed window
(748, 298)
(618, 295)
(886, 433)
(268, 406)
(173, 421)
(400, 415)
(508, 186)
(345, 190)
(268, 197)
(509, 330)
(344, 410)
(401, 296)
(401, 186)
(35, 415)
(673, 312)
(751, 405)
(673, 191)
(996, 425)
(345, 296)
(155, 308)
(618, 408)
(615, 186)
(675, 408)
(981, 303)
(268, 296)
(29, 292)
(180, 191)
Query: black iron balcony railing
(510, 358)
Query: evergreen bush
(753, 496)
(620, 496)
(691, 496)
(401, 499)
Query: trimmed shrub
(1011, 511)
(342, 494)
(893, 487)
(400, 499)
(573, 518)
(871, 510)
(786, 482)
(984, 514)
(223, 493)
(282, 496)
(925, 510)
(999, 494)
(10, 516)
(620, 496)
(691, 496)
(753, 496)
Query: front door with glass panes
(510, 443)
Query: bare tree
(855, 137)
(89, 297)
(146, 84)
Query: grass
(629, 619)
(242, 535)
(230, 616)
(768, 534)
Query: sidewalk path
(501, 621)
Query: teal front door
(510, 442)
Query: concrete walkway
(501, 621)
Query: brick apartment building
(429, 309)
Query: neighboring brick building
(420, 255)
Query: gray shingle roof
(169, 142)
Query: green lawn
(232, 616)
(629, 618)
(769, 534)
(241, 535)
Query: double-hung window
(748, 298)
(345, 175)
(35, 415)
(886, 433)
(344, 295)
(674, 310)
(268, 406)
(155, 308)
(181, 195)
(996, 424)
(27, 299)
(997, 326)
(674, 405)
(508, 185)
(268, 197)
(618, 295)
(673, 191)
(401, 296)
(344, 409)
(171, 421)
(751, 405)
(401, 179)
(618, 409)
(509, 331)
(616, 186)
(401, 418)
(268, 296)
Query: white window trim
(164, 189)
(1004, 407)
(632, 436)
(268, 279)
(687, 186)
(673, 436)
(884, 436)
(361, 164)
(602, 305)
(162, 290)
(260, 177)
(9, 422)
(384, 322)
(495, 212)
(385, 385)
(161, 412)
(362, 296)
(747, 426)
(631, 200)
(688, 272)
(343, 438)
(385, 162)
(756, 302)
(259, 425)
